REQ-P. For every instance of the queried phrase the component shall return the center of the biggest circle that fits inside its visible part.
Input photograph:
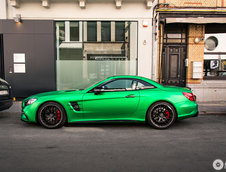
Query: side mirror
(97, 91)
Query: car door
(116, 99)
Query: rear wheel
(161, 115)
(51, 115)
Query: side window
(143, 85)
(125, 85)
(120, 84)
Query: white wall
(132, 11)
(3, 13)
(71, 10)
(145, 49)
(209, 90)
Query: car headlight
(30, 101)
(4, 92)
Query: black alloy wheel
(51, 115)
(161, 115)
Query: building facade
(191, 49)
(55, 45)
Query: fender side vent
(75, 106)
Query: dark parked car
(6, 98)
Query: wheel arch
(36, 116)
(159, 101)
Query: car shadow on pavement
(114, 125)
(176, 125)
(108, 125)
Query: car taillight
(189, 96)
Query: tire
(161, 115)
(51, 115)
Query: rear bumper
(189, 116)
(6, 104)
(197, 114)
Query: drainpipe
(154, 32)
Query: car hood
(55, 94)
(174, 88)
(2, 81)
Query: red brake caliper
(58, 115)
(167, 114)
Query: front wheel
(161, 115)
(51, 115)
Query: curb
(211, 113)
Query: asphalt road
(190, 145)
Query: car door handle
(130, 96)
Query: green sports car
(117, 98)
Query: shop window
(214, 52)
(106, 31)
(92, 31)
(94, 57)
(119, 31)
(215, 68)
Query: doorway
(174, 55)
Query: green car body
(113, 105)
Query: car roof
(126, 76)
(136, 77)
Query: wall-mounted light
(17, 19)
(145, 23)
(198, 40)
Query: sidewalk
(207, 108)
(215, 108)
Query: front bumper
(24, 117)
(6, 104)
(28, 113)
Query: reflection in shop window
(60, 29)
(106, 31)
(74, 31)
(88, 61)
(91, 31)
(120, 31)
(67, 40)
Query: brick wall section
(195, 3)
(195, 52)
